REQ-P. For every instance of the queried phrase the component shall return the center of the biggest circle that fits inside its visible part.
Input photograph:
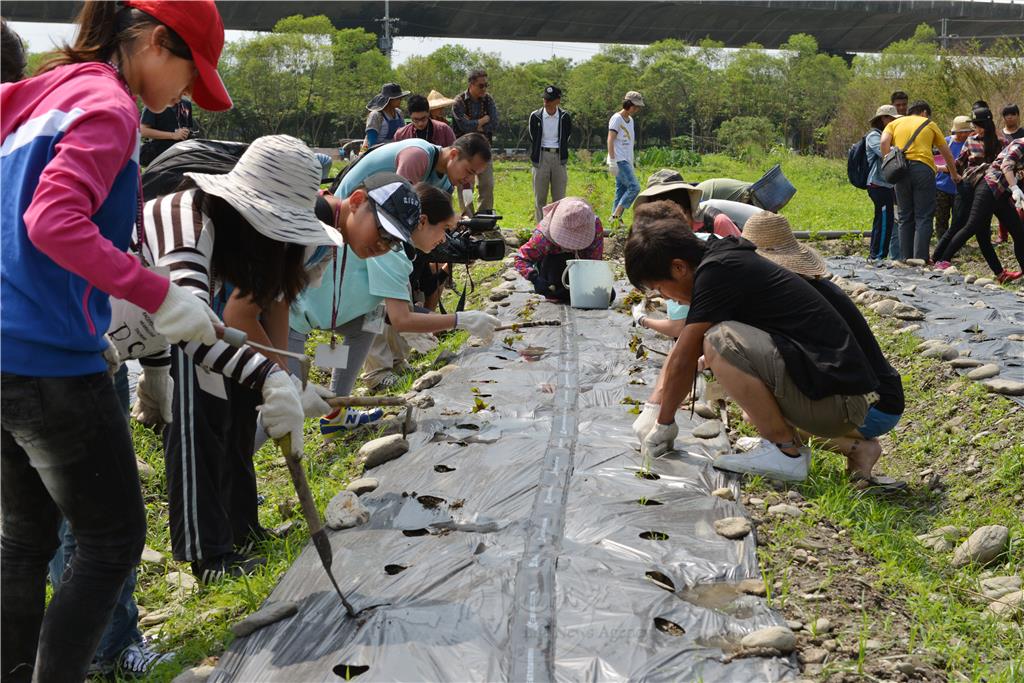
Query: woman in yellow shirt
(915, 193)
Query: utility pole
(944, 35)
(388, 30)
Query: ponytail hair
(104, 27)
(435, 203)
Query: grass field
(824, 200)
(881, 586)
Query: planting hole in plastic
(392, 569)
(650, 476)
(648, 501)
(443, 468)
(669, 627)
(661, 581)
(416, 532)
(654, 536)
(350, 671)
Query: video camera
(463, 246)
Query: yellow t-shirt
(902, 128)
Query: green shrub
(746, 137)
(666, 157)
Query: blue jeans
(915, 195)
(627, 187)
(877, 423)
(881, 227)
(123, 629)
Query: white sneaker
(139, 659)
(768, 461)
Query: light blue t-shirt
(367, 282)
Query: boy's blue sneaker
(341, 421)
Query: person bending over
(569, 229)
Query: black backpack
(201, 156)
(857, 166)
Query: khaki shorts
(754, 352)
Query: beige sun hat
(885, 110)
(666, 180)
(962, 124)
(274, 187)
(436, 100)
(774, 240)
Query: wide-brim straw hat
(570, 223)
(390, 91)
(274, 187)
(884, 110)
(436, 100)
(666, 180)
(774, 240)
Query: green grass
(824, 199)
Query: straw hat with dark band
(666, 180)
(774, 240)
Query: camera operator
(172, 125)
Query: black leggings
(979, 225)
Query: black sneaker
(227, 565)
(255, 538)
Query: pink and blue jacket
(69, 165)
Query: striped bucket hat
(274, 187)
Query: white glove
(478, 324)
(659, 440)
(613, 167)
(112, 357)
(643, 425)
(312, 397)
(639, 313)
(183, 317)
(282, 409)
(1018, 196)
(154, 390)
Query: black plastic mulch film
(537, 553)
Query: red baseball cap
(199, 25)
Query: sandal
(878, 482)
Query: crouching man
(780, 350)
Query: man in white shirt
(621, 138)
(550, 127)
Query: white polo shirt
(549, 128)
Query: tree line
(312, 80)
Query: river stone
(705, 410)
(394, 424)
(785, 509)
(928, 343)
(427, 380)
(982, 281)
(510, 275)
(983, 546)
(732, 527)
(776, 637)
(966, 363)
(362, 485)
(814, 655)
(884, 307)
(724, 493)
(753, 587)
(983, 371)
(422, 401)
(969, 279)
(996, 587)
(182, 583)
(942, 539)
(345, 511)
(822, 626)
(943, 351)
(152, 556)
(1007, 387)
(915, 262)
(448, 369)
(708, 430)
(268, 614)
(1008, 605)
(382, 450)
(197, 674)
(907, 312)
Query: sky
(43, 36)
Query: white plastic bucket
(590, 283)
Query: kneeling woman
(569, 230)
(361, 284)
(220, 232)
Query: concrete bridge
(840, 26)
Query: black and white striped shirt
(179, 237)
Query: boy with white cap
(945, 188)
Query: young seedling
(479, 405)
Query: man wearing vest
(474, 111)
(550, 128)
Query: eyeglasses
(420, 119)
